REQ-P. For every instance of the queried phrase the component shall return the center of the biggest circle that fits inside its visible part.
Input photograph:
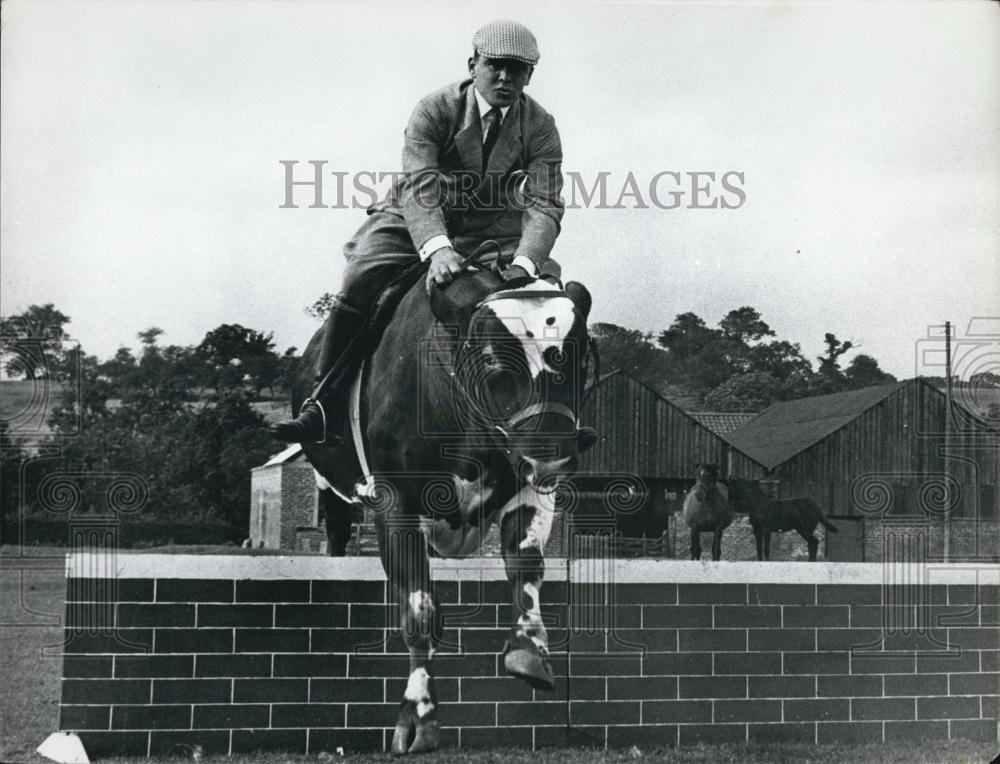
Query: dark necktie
(492, 123)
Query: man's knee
(366, 277)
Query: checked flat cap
(506, 39)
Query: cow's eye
(492, 362)
(555, 357)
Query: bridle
(503, 430)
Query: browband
(522, 294)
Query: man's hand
(446, 264)
(514, 272)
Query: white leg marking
(418, 691)
(530, 624)
(529, 497)
(538, 532)
(421, 604)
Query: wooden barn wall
(742, 466)
(642, 434)
(889, 460)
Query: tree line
(738, 366)
(182, 417)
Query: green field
(31, 603)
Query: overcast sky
(142, 187)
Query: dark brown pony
(769, 516)
(706, 510)
(469, 411)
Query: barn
(644, 461)
(632, 481)
(881, 459)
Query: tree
(753, 392)
(322, 307)
(289, 367)
(35, 342)
(829, 364)
(631, 350)
(830, 378)
(687, 336)
(231, 352)
(149, 336)
(783, 360)
(744, 325)
(864, 371)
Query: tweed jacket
(443, 190)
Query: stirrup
(322, 412)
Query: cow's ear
(580, 296)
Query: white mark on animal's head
(539, 323)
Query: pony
(769, 516)
(706, 508)
(469, 418)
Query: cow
(469, 418)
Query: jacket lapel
(508, 146)
(469, 139)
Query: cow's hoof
(523, 659)
(428, 737)
(413, 734)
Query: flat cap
(506, 39)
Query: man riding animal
(467, 410)
(481, 163)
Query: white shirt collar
(484, 106)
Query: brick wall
(236, 654)
(298, 500)
(922, 537)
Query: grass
(940, 752)
(9, 550)
(31, 607)
(27, 405)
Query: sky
(141, 178)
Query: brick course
(310, 664)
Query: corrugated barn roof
(785, 429)
(722, 422)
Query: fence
(238, 654)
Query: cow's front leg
(524, 532)
(406, 564)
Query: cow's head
(521, 369)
